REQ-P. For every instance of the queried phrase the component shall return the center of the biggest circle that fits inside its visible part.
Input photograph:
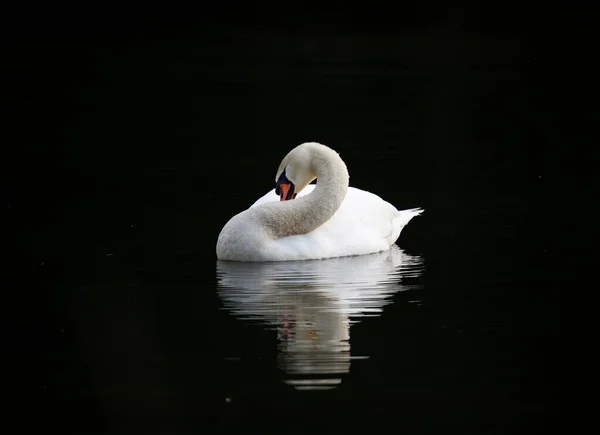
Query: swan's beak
(285, 188)
(285, 191)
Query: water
(135, 152)
(312, 306)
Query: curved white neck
(307, 213)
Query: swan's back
(363, 224)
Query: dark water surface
(131, 152)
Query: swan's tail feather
(402, 218)
(416, 211)
(408, 214)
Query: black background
(134, 133)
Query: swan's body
(327, 220)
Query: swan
(303, 221)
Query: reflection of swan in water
(311, 305)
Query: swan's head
(295, 172)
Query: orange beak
(286, 192)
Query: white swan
(326, 220)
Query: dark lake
(133, 145)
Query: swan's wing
(378, 219)
(365, 218)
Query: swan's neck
(307, 213)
